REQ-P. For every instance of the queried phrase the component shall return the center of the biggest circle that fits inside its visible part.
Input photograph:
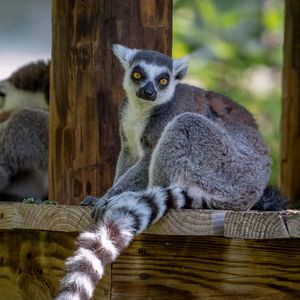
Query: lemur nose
(148, 92)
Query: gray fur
(187, 148)
(154, 58)
(24, 155)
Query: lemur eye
(163, 81)
(136, 75)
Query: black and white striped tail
(119, 226)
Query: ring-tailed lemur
(24, 133)
(182, 147)
(26, 87)
(24, 154)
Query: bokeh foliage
(235, 48)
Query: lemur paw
(89, 201)
(105, 204)
(99, 209)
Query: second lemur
(182, 147)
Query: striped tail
(125, 218)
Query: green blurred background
(235, 48)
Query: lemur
(26, 87)
(181, 147)
(24, 155)
(24, 133)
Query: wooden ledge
(245, 225)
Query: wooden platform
(189, 254)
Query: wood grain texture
(190, 222)
(254, 225)
(32, 263)
(292, 219)
(218, 268)
(290, 113)
(246, 225)
(86, 87)
(45, 217)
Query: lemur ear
(180, 67)
(124, 54)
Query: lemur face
(150, 76)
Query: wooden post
(290, 120)
(86, 87)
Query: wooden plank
(246, 225)
(218, 268)
(190, 222)
(86, 87)
(32, 263)
(292, 219)
(255, 225)
(290, 113)
(45, 217)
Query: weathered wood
(246, 225)
(156, 267)
(190, 222)
(45, 217)
(207, 268)
(32, 263)
(86, 87)
(292, 219)
(253, 225)
(290, 115)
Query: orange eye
(136, 75)
(163, 81)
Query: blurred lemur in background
(24, 99)
(182, 147)
(26, 87)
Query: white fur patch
(87, 255)
(68, 296)
(82, 283)
(106, 242)
(89, 235)
(16, 98)
(124, 54)
(134, 121)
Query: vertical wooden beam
(86, 86)
(290, 120)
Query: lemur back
(181, 147)
(23, 154)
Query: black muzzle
(147, 92)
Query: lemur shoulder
(181, 147)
